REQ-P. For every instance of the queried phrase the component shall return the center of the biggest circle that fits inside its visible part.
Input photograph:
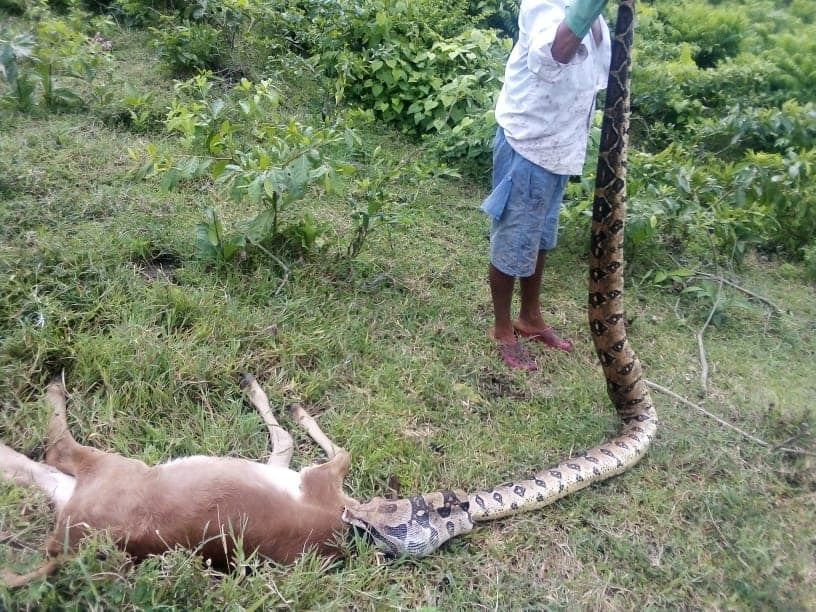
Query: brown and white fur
(207, 504)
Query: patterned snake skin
(419, 525)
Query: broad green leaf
(255, 189)
(170, 179)
(218, 168)
(216, 107)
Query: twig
(701, 346)
(286, 271)
(680, 398)
(677, 312)
(793, 438)
(747, 292)
(703, 361)
(796, 451)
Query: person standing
(544, 113)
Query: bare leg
(501, 290)
(281, 441)
(305, 420)
(58, 486)
(513, 354)
(530, 313)
(530, 323)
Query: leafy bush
(659, 91)
(48, 66)
(20, 87)
(784, 184)
(414, 78)
(758, 129)
(681, 205)
(241, 142)
(677, 92)
(12, 7)
(794, 55)
(188, 47)
(499, 14)
(468, 144)
(143, 13)
(714, 33)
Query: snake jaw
(414, 526)
(357, 517)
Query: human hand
(581, 14)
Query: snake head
(415, 526)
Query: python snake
(419, 525)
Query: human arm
(579, 19)
(551, 45)
(565, 45)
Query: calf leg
(282, 444)
(14, 581)
(62, 450)
(305, 420)
(22, 470)
(58, 486)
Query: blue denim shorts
(525, 204)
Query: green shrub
(142, 13)
(678, 92)
(414, 78)
(468, 144)
(794, 55)
(54, 65)
(803, 9)
(715, 33)
(13, 7)
(758, 129)
(501, 15)
(809, 257)
(660, 90)
(241, 142)
(785, 185)
(189, 46)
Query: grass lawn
(98, 277)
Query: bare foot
(543, 333)
(513, 354)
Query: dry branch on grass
(759, 441)
(701, 346)
(741, 289)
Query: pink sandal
(518, 357)
(548, 337)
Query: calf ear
(341, 462)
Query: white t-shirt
(546, 107)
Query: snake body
(607, 320)
(417, 526)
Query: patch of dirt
(159, 266)
(495, 386)
(420, 432)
